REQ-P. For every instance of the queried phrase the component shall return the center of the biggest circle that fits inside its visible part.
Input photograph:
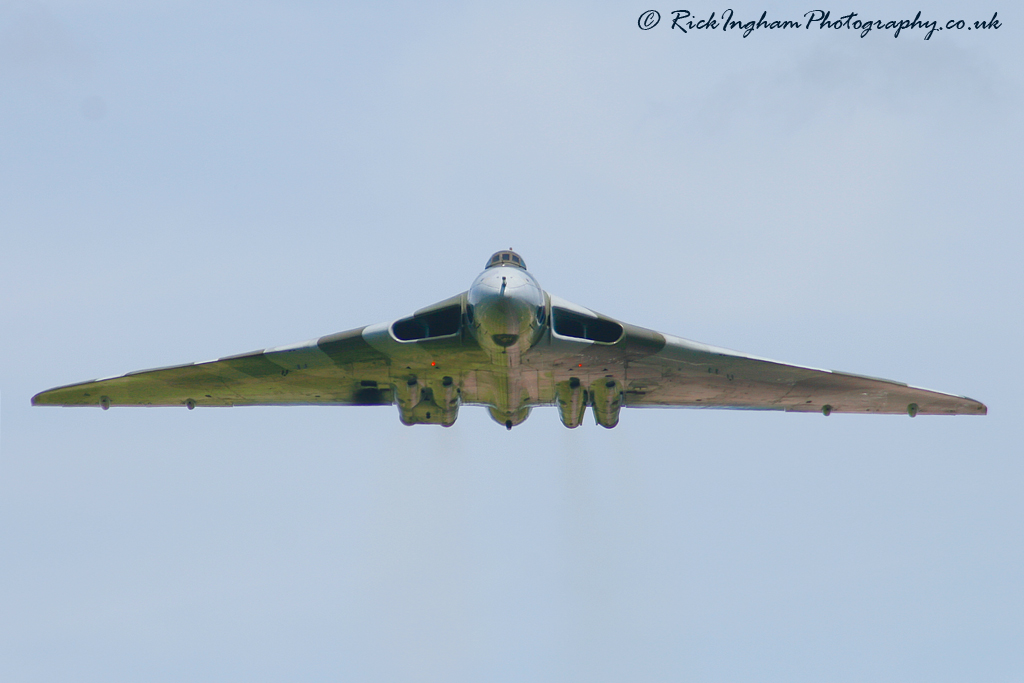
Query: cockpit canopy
(506, 258)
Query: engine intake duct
(429, 324)
(571, 324)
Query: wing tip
(57, 396)
(40, 399)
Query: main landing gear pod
(418, 404)
(607, 401)
(572, 402)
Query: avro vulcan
(509, 346)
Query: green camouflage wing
(339, 369)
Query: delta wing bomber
(509, 346)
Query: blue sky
(184, 181)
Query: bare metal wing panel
(689, 374)
(661, 370)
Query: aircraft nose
(503, 305)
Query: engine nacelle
(606, 398)
(572, 402)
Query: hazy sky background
(182, 181)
